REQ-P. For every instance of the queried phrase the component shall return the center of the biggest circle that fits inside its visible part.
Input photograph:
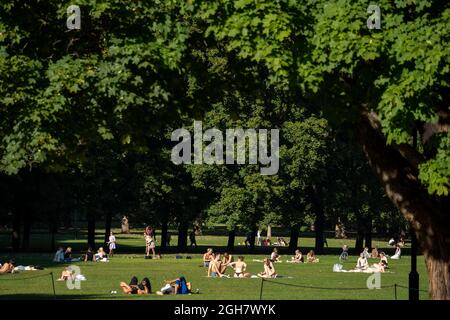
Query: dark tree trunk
(108, 222)
(320, 218)
(15, 236)
(368, 233)
(26, 233)
(231, 238)
(396, 167)
(91, 231)
(164, 229)
(252, 239)
(359, 242)
(53, 240)
(182, 237)
(293, 242)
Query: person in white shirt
(112, 244)
(362, 263)
(274, 257)
(397, 253)
(366, 253)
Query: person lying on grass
(8, 267)
(269, 270)
(275, 257)
(311, 257)
(215, 267)
(176, 286)
(297, 258)
(144, 287)
(207, 257)
(239, 268)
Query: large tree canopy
(137, 70)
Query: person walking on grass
(112, 244)
(149, 246)
(192, 239)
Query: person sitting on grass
(59, 255)
(226, 260)
(215, 267)
(89, 256)
(397, 253)
(362, 263)
(281, 242)
(68, 254)
(382, 265)
(66, 274)
(275, 257)
(144, 287)
(297, 258)
(8, 267)
(311, 257)
(100, 255)
(176, 286)
(366, 253)
(374, 253)
(207, 257)
(269, 270)
(239, 268)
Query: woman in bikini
(269, 270)
(239, 268)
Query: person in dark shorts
(134, 287)
(89, 256)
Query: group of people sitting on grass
(62, 255)
(175, 286)
(362, 264)
(297, 258)
(217, 264)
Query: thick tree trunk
(252, 238)
(15, 236)
(396, 168)
(91, 231)
(182, 237)
(319, 220)
(26, 233)
(269, 231)
(164, 229)
(231, 238)
(108, 222)
(359, 242)
(368, 232)
(293, 242)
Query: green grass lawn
(102, 278)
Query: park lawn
(102, 278)
(134, 242)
